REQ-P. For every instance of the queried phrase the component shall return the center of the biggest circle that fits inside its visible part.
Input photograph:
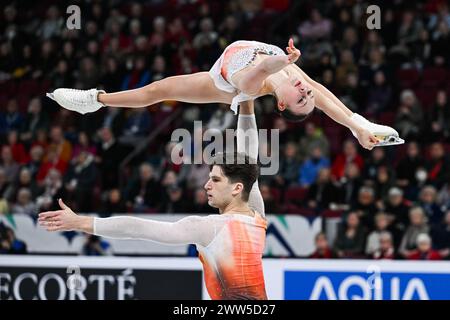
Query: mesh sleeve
(247, 141)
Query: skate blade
(51, 96)
(388, 141)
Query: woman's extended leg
(192, 88)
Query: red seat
(400, 154)
(433, 77)
(22, 102)
(44, 87)
(3, 101)
(29, 87)
(306, 212)
(426, 96)
(447, 148)
(386, 118)
(335, 136)
(328, 213)
(295, 194)
(9, 87)
(407, 78)
(290, 208)
(276, 194)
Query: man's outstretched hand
(64, 220)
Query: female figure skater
(245, 71)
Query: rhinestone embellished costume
(239, 60)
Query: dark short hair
(238, 167)
(292, 117)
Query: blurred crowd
(394, 202)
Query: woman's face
(381, 222)
(441, 98)
(83, 139)
(416, 218)
(352, 220)
(297, 96)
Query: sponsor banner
(366, 280)
(69, 278)
(309, 285)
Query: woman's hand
(366, 139)
(293, 52)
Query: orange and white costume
(237, 56)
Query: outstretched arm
(335, 109)
(327, 93)
(247, 141)
(331, 109)
(192, 229)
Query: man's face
(413, 150)
(290, 150)
(365, 198)
(324, 175)
(56, 134)
(349, 149)
(378, 154)
(316, 153)
(437, 151)
(416, 218)
(6, 153)
(385, 244)
(395, 200)
(352, 171)
(381, 223)
(447, 218)
(219, 189)
(175, 194)
(424, 246)
(353, 220)
(105, 134)
(321, 243)
(427, 196)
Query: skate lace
(78, 96)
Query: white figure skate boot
(81, 101)
(386, 135)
